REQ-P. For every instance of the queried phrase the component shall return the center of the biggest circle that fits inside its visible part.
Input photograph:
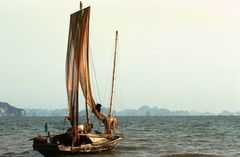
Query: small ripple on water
(128, 147)
(190, 155)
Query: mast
(86, 98)
(113, 76)
(81, 5)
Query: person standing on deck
(46, 127)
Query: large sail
(77, 27)
(77, 64)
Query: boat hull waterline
(46, 148)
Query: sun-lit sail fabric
(72, 65)
(77, 64)
(84, 68)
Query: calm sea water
(144, 136)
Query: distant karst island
(7, 110)
(141, 111)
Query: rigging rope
(95, 76)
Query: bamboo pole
(113, 76)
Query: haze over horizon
(179, 55)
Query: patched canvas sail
(77, 64)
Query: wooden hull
(99, 144)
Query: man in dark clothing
(98, 107)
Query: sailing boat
(80, 138)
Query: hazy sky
(176, 54)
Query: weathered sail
(77, 27)
(84, 71)
(77, 64)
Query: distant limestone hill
(155, 111)
(7, 110)
(141, 111)
(46, 112)
(58, 112)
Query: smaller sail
(84, 65)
